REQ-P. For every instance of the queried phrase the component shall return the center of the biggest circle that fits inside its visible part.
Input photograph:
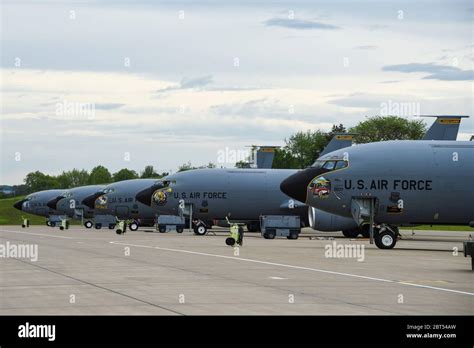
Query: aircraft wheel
(269, 234)
(61, 228)
(98, 226)
(230, 241)
(133, 226)
(48, 223)
(385, 239)
(293, 235)
(200, 230)
(118, 231)
(23, 225)
(179, 229)
(111, 226)
(52, 224)
(88, 224)
(353, 233)
(162, 229)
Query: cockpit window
(318, 164)
(329, 165)
(340, 164)
(108, 190)
(163, 183)
(332, 164)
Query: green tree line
(37, 181)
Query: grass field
(12, 216)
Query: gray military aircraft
(69, 203)
(244, 196)
(208, 195)
(392, 183)
(118, 199)
(445, 127)
(37, 204)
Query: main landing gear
(385, 236)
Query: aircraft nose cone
(296, 185)
(19, 205)
(145, 195)
(90, 200)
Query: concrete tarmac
(91, 272)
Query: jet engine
(321, 221)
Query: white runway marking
(277, 278)
(296, 267)
(39, 234)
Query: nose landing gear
(385, 236)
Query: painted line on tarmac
(39, 234)
(296, 267)
(53, 236)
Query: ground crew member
(122, 226)
(236, 234)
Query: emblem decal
(320, 187)
(160, 197)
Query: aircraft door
(121, 211)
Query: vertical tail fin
(338, 141)
(265, 155)
(445, 127)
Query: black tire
(88, 224)
(98, 226)
(23, 226)
(230, 241)
(385, 240)
(111, 226)
(52, 224)
(162, 229)
(133, 226)
(118, 231)
(269, 234)
(48, 223)
(293, 235)
(200, 230)
(353, 233)
(179, 229)
(61, 228)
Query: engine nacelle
(322, 221)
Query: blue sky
(172, 82)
